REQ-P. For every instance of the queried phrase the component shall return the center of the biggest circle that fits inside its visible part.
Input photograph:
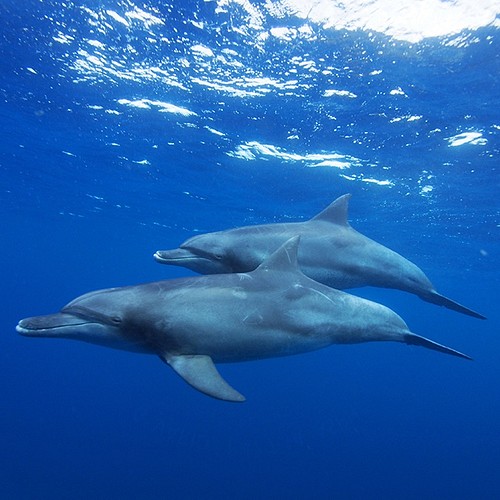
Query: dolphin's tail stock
(441, 300)
(413, 339)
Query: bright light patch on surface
(95, 60)
(259, 86)
(62, 38)
(141, 103)
(146, 18)
(408, 118)
(100, 198)
(371, 180)
(341, 93)
(409, 20)
(117, 17)
(332, 163)
(254, 19)
(474, 138)
(283, 33)
(164, 107)
(215, 132)
(202, 50)
(289, 34)
(96, 43)
(461, 41)
(226, 87)
(254, 150)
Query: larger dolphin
(330, 252)
(192, 323)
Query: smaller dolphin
(192, 323)
(330, 252)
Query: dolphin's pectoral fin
(200, 372)
(412, 339)
(441, 300)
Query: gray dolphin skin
(330, 252)
(192, 323)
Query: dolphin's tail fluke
(441, 300)
(412, 339)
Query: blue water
(128, 127)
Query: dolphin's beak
(187, 258)
(49, 326)
(203, 264)
(176, 257)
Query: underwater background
(127, 127)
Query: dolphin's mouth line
(27, 329)
(158, 256)
(183, 258)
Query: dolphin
(331, 252)
(192, 323)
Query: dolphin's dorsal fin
(199, 371)
(283, 259)
(336, 212)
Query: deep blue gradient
(97, 172)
